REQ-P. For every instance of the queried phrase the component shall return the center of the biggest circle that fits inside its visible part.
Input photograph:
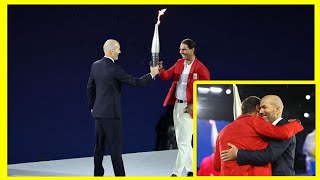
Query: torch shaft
(155, 59)
(155, 47)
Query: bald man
(104, 96)
(280, 153)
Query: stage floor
(154, 163)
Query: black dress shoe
(173, 175)
(190, 174)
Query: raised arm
(278, 132)
(167, 74)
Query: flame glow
(161, 12)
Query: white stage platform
(155, 163)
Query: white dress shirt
(182, 83)
(276, 121)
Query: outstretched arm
(166, 74)
(126, 78)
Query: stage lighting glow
(228, 91)
(215, 90)
(308, 97)
(203, 90)
(306, 115)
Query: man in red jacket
(184, 72)
(248, 132)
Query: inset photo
(255, 129)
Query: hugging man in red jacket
(184, 72)
(248, 132)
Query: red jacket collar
(244, 116)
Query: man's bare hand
(188, 109)
(230, 154)
(160, 64)
(292, 120)
(154, 70)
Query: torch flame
(161, 12)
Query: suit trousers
(183, 125)
(108, 131)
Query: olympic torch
(155, 48)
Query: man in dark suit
(280, 153)
(104, 96)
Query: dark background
(51, 49)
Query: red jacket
(197, 72)
(206, 167)
(247, 132)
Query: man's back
(107, 89)
(243, 134)
(104, 87)
(279, 152)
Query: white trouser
(183, 125)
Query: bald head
(111, 49)
(274, 100)
(110, 44)
(271, 107)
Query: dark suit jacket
(279, 152)
(104, 87)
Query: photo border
(4, 83)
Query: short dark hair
(190, 43)
(249, 104)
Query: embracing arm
(264, 156)
(278, 132)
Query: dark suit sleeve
(126, 78)
(91, 90)
(264, 156)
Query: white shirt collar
(276, 121)
(190, 63)
(109, 58)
